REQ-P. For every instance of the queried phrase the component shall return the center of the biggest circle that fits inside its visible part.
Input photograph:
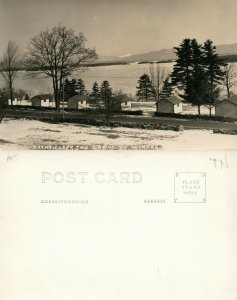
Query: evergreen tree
(66, 89)
(73, 88)
(95, 95)
(214, 74)
(167, 89)
(198, 79)
(212, 63)
(145, 89)
(80, 87)
(182, 71)
(197, 72)
(106, 93)
(212, 96)
(69, 89)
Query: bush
(99, 123)
(29, 107)
(221, 131)
(131, 112)
(194, 117)
(104, 111)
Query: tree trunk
(210, 111)
(11, 93)
(199, 111)
(228, 92)
(56, 96)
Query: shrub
(194, 117)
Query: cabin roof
(232, 100)
(78, 98)
(173, 99)
(43, 97)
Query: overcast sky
(119, 27)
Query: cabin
(126, 105)
(171, 105)
(45, 100)
(18, 98)
(78, 102)
(227, 108)
(20, 101)
(126, 102)
(13, 102)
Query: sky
(120, 27)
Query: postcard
(116, 225)
(151, 87)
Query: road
(187, 124)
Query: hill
(165, 54)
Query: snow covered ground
(30, 134)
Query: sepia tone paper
(116, 225)
(100, 75)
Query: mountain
(107, 59)
(230, 49)
(163, 55)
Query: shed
(20, 101)
(45, 100)
(77, 101)
(126, 105)
(172, 105)
(227, 108)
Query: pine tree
(73, 88)
(145, 89)
(69, 89)
(95, 95)
(66, 89)
(106, 93)
(198, 78)
(212, 63)
(167, 89)
(80, 87)
(197, 72)
(212, 95)
(182, 72)
(213, 73)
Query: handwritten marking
(219, 163)
(10, 157)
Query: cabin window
(81, 102)
(126, 103)
(178, 104)
(45, 100)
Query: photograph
(134, 225)
(118, 75)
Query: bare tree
(57, 53)
(158, 76)
(230, 78)
(9, 66)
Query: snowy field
(27, 134)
